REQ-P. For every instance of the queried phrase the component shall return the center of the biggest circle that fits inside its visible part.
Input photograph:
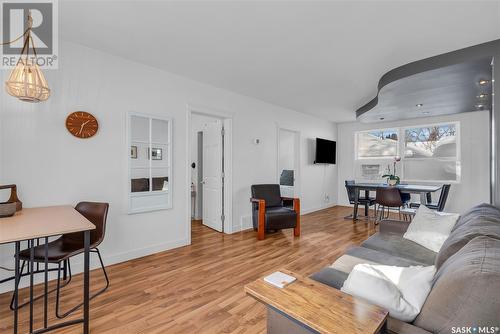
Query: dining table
(30, 224)
(406, 188)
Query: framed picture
(133, 152)
(156, 153)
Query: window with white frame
(428, 152)
(431, 153)
(377, 144)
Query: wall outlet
(327, 198)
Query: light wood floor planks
(199, 288)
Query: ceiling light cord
(15, 40)
(27, 40)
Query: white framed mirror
(149, 143)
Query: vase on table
(392, 182)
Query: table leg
(46, 292)
(16, 285)
(86, 285)
(32, 268)
(367, 195)
(356, 204)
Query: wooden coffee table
(307, 306)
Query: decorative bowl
(7, 209)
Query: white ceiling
(322, 58)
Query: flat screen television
(326, 151)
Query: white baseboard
(245, 223)
(77, 263)
(145, 251)
(318, 208)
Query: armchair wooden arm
(256, 200)
(262, 217)
(296, 208)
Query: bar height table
(44, 222)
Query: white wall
(474, 130)
(52, 167)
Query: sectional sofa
(466, 288)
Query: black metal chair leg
(103, 267)
(17, 287)
(42, 295)
(61, 316)
(65, 268)
(58, 287)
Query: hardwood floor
(199, 288)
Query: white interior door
(212, 175)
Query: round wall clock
(82, 124)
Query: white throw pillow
(430, 228)
(400, 290)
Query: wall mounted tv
(326, 151)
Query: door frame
(227, 120)
(297, 176)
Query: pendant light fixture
(26, 81)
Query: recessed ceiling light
(419, 105)
(479, 106)
(483, 82)
(482, 96)
(425, 112)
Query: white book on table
(279, 279)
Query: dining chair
(387, 198)
(443, 197)
(366, 200)
(69, 245)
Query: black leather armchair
(269, 213)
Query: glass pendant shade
(27, 83)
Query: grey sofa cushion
(396, 245)
(466, 289)
(487, 225)
(330, 276)
(481, 211)
(395, 326)
(337, 273)
(379, 257)
(393, 226)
